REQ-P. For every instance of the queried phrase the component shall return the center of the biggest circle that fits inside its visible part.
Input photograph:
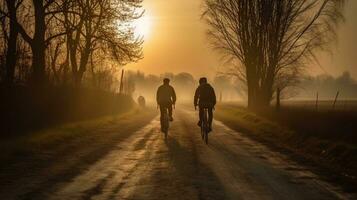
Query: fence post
(278, 99)
(121, 82)
(317, 101)
(334, 102)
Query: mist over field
(229, 89)
(327, 86)
(185, 85)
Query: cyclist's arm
(195, 100)
(214, 97)
(173, 95)
(158, 96)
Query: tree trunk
(278, 99)
(11, 44)
(38, 45)
(38, 64)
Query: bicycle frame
(204, 125)
(164, 121)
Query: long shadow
(41, 190)
(185, 174)
(195, 173)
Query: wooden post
(317, 101)
(334, 102)
(278, 99)
(121, 82)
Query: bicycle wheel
(165, 123)
(205, 119)
(202, 130)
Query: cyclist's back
(166, 97)
(205, 97)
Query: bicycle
(164, 121)
(205, 126)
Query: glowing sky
(175, 41)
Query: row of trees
(326, 86)
(228, 88)
(185, 84)
(269, 42)
(63, 41)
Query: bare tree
(269, 41)
(101, 25)
(10, 34)
(35, 35)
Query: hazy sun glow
(142, 26)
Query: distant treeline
(184, 83)
(231, 89)
(327, 86)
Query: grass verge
(330, 156)
(50, 138)
(58, 154)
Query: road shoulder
(33, 164)
(286, 141)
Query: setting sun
(142, 26)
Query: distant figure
(205, 97)
(141, 101)
(166, 97)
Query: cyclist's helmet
(203, 80)
(166, 81)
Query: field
(322, 105)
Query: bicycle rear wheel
(205, 127)
(202, 130)
(165, 123)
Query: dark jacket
(165, 95)
(205, 96)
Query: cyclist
(205, 97)
(165, 98)
(141, 101)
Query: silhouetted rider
(166, 97)
(141, 101)
(205, 97)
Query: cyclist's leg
(162, 111)
(200, 115)
(169, 108)
(210, 117)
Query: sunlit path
(145, 166)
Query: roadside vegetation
(60, 61)
(67, 148)
(24, 110)
(325, 137)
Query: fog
(185, 85)
(229, 89)
(327, 86)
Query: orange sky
(177, 42)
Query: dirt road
(145, 166)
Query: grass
(24, 109)
(58, 154)
(326, 138)
(49, 138)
